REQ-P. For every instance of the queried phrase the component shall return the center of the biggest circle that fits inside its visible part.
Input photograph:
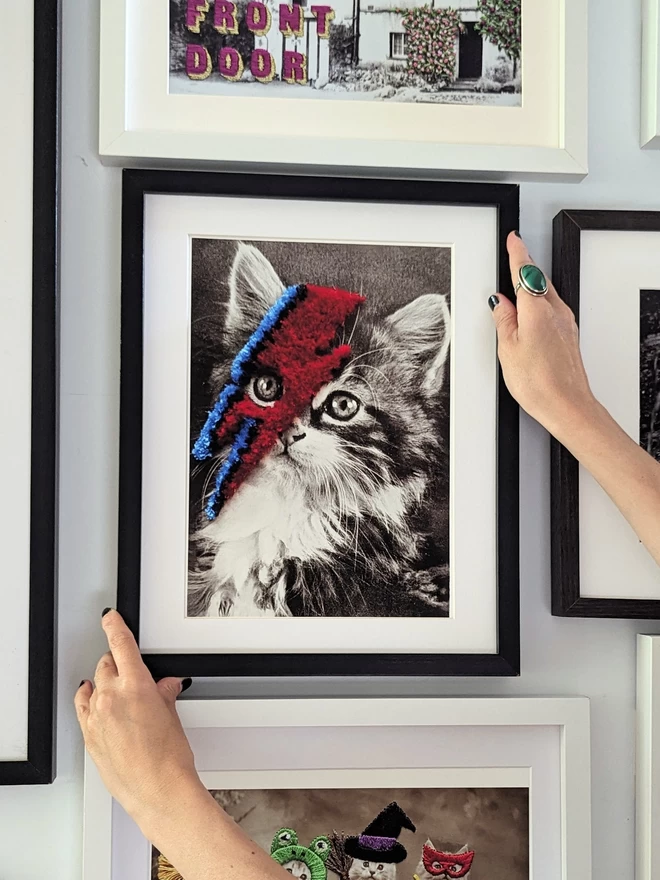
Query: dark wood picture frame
(39, 767)
(565, 504)
(138, 184)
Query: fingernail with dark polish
(493, 301)
(105, 611)
(516, 233)
(185, 684)
(81, 684)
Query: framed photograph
(314, 432)
(650, 134)
(648, 758)
(28, 436)
(475, 788)
(420, 88)
(607, 268)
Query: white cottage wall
(41, 827)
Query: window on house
(399, 45)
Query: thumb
(170, 688)
(505, 317)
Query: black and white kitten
(338, 519)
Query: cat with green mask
(303, 862)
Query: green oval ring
(533, 280)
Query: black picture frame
(567, 601)
(39, 768)
(138, 184)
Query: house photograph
(352, 50)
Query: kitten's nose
(293, 434)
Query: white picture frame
(142, 123)
(650, 110)
(546, 737)
(647, 771)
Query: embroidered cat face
(363, 870)
(344, 479)
(297, 869)
(445, 865)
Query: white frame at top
(650, 118)
(570, 715)
(648, 759)
(174, 134)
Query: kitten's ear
(463, 849)
(253, 288)
(425, 329)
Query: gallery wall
(41, 828)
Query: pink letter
(294, 68)
(198, 62)
(195, 14)
(231, 64)
(291, 20)
(225, 17)
(324, 15)
(262, 65)
(258, 17)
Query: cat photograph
(383, 834)
(319, 475)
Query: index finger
(123, 646)
(518, 257)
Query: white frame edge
(647, 759)
(650, 109)
(570, 713)
(118, 144)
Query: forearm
(629, 475)
(198, 837)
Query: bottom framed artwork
(478, 788)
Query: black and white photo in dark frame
(28, 437)
(303, 477)
(606, 266)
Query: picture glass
(344, 50)
(320, 422)
(384, 834)
(347, 511)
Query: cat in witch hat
(377, 851)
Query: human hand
(538, 348)
(132, 730)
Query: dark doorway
(470, 53)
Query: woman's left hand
(131, 727)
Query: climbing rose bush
(431, 46)
(500, 24)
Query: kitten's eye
(303, 877)
(365, 864)
(290, 870)
(380, 867)
(342, 406)
(266, 388)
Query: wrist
(183, 796)
(581, 426)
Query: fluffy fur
(334, 521)
(361, 870)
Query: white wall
(40, 828)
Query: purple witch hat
(378, 842)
